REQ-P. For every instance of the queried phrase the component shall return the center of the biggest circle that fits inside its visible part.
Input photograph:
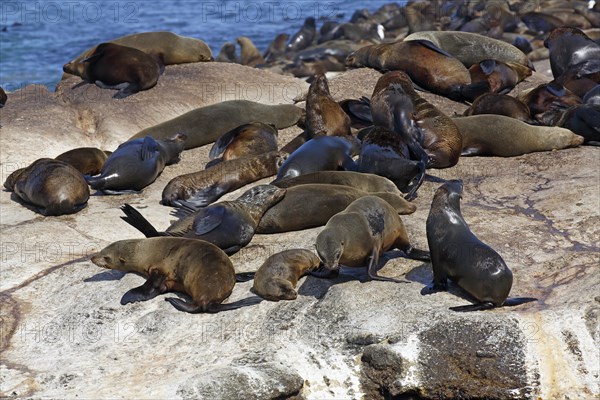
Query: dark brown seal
(441, 139)
(547, 95)
(500, 104)
(51, 187)
(427, 65)
(277, 277)
(113, 66)
(457, 254)
(194, 267)
(136, 164)
(493, 76)
(227, 54)
(204, 187)
(570, 47)
(206, 124)
(276, 48)
(324, 116)
(357, 236)
(359, 180)
(229, 225)
(311, 205)
(87, 160)
(246, 140)
(250, 55)
(3, 97)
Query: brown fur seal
(545, 96)
(229, 225)
(359, 180)
(113, 66)
(87, 160)
(204, 187)
(51, 187)
(357, 236)
(500, 104)
(311, 205)
(276, 48)
(386, 153)
(497, 135)
(428, 66)
(194, 267)
(471, 48)
(570, 47)
(167, 46)
(441, 139)
(250, 55)
(323, 153)
(227, 54)
(136, 164)
(324, 116)
(246, 140)
(492, 76)
(277, 277)
(457, 254)
(583, 120)
(206, 124)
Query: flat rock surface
(65, 335)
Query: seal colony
(347, 182)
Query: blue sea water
(38, 37)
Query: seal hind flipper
(417, 254)
(154, 285)
(473, 307)
(434, 287)
(137, 220)
(119, 192)
(192, 308)
(488, 66)
(208, 219)
(244, 276)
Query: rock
(64, 332)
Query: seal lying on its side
(194, 267)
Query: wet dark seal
(229, 225)
(277, 277)
(136, 164)
(357, 236)
(457, 254)
(194, 267)
(51, 187)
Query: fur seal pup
(304, 37)
(51, 187)
(87, 160)
(427, 65)
(204, 187)
(441, 138)
(320, 154)
(471, 48)
(457, 254)
(570, 47)
(194, 267)
(227, 53)
(492, 76)
(359, 180)
(324, 116)
(229, 225)
(357, 236)
(112, 66)
(311, 205)
(276, 49)
(277, 277)
(246, 140)
(385, 153)
(250, 55)
(167, 46)
(546, 96)
(498, 135)
(500, 104)
(136, 164)
(204, 125)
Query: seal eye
(107, 259)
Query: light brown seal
(204, 187)
(51, 187)
(357, 236)
(457, 254)
(87, 160)
(324, 116)
(311, 205)
(194, 267)
(498, 135)
(277, 277)
(250, 55)
(204, 125)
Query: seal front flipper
(325, 273)
(212, 307)
(434, 287)
(515, 301)
(221, 144)
(119, 192)
(244, 276)
(208, 219)
(416, 182)
(417, 254)
(154, 285)
(137, 220)
(372, 268)
(149, 148)
(473, 307)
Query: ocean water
(38, 37)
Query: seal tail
(212, 308)
(137, 220)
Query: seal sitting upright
(456, 253)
